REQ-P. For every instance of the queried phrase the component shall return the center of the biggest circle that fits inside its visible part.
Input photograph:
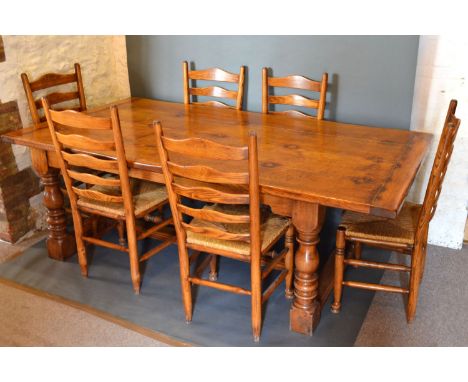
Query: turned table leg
(305, 311)
(60, 244)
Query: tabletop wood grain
(360, 168)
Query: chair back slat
(218, 75)
(82, 142)
(213, 74)
(67, 109)
(55, 98)
(97, 195)
(199, 181)
(202, 148)
(439, 169)
(210, 194)
(73, 134)
(51, 80)
(217, 233)
(94, 179)
(80, 121)
(294, 113)
(214, 91)
(294, 100)
(85, 160)
(208, 174)
(212, 215)
(294, 82)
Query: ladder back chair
(51, 80)
(294, 82)
(43, 85)
(233, 224)
(218, 75)
(112, 194)
(407, 233)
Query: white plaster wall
(441, 75)
(103, 61)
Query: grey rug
(220, 319)
(442, 311)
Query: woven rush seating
(146, 195)
(399, 230)
(271, 227)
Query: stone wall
(441, 75)
(16, 186)
(103, 61)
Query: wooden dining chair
(214, 74)
(294, 82)
(407, 233)
(48, 83)
(112, 194)
(233, 225)
(51, 80)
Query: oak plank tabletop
(360, 168)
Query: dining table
(305, 166)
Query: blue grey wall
(371, 78)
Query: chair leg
(184, 280)
(121, 231)
(256, 288)
(289, 261)
(82, 257)
(213, 276)
(133, 257)
(423, 263)
(415, 279)
(339, 269)
(412, 297)
(80, 244)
